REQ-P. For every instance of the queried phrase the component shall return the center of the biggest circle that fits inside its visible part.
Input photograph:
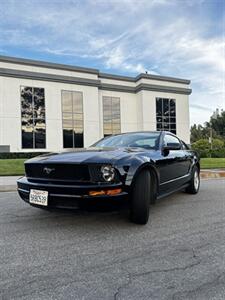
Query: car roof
(142, 131)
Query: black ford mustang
(143, 166)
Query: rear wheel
(194, 185)
(141, 198)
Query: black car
(141, 166)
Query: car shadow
(96, 214)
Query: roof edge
(92, 82)
(144, 76)
(162, 78)
(45, 64)
(116, 77)
(50, 65)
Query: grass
(10, 167)
(212, 163)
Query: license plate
(39, 197)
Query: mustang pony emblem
(48, 170)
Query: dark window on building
(166, 114)
(33, 118)
(72, 116)
(111, 116)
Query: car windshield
(147, 140)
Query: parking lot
(179, 254)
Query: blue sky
(180, 38)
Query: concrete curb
(205, 174)
(212, 174)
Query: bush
(218, 153)
(11, 155)
(203, 147)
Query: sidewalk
(8, 183)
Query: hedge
(203, 147)
(11, 155)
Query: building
(48, 106)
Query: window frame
(72, 113)
(171, 124)
(112, 115)
(33, 118)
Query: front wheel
(140, 198)
(194, 185)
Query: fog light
(96, 193)
(108, 173)
(105, 192)
(113, 192)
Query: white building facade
(50, 107)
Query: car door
(189, 158)
(172, 165)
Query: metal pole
(210, 140)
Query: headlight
(108, 173)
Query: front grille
(95, 173)
(71, 172)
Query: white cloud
(127, 36)
(201, 107)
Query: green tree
(216, 125)
(199, 132)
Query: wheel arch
(198, 165)
(153, 171)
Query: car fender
(133, 174)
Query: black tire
(140, 198)
(194, 185)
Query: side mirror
(167, 148)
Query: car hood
(88, 155)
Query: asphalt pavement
(179, 254)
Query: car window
(170, 140)
(184, 146)
(146, 143)
(143, 140)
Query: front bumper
(64, 195)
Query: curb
(212, 174)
